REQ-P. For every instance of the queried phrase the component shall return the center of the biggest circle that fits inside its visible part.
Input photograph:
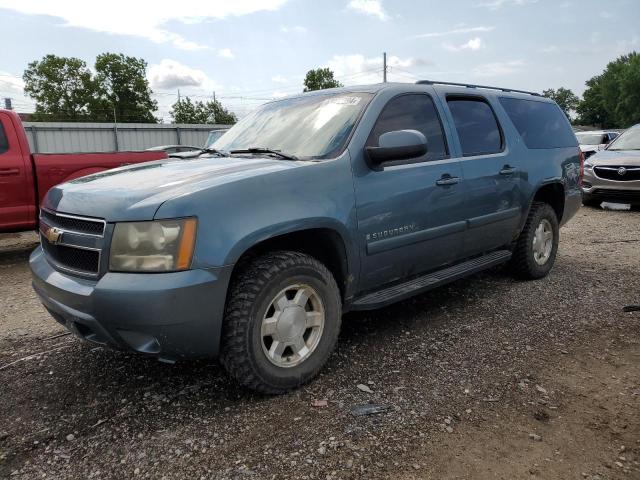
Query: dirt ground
(485, 378)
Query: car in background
(592, 142)
(613, 174)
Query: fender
(279, 229)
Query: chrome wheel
(542, 242)
(292, 325)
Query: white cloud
(455, 31)
(497, 69)
(293, 29)
(473, 44)
(606, 15)
(126, 17)
(226, 53)
(496, 4)
(170, 74)
(369, 7)
(279, 79)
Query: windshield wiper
(286, 156)
(212, 151)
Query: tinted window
(412, 112)
(540, 124)
(4, 144)
(477, 126)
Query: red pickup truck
(25, 177)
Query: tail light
(581, 169)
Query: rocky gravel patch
(438, 386)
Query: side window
(412, 112)
(4, 143)
(541, 124)
(477, 126)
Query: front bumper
(167, 315)
(598, 188)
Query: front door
(410, 214)
(16, 203)
(491, 175)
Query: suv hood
(627, 158)
(136, 192)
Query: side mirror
(397, 145)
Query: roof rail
(469, 85)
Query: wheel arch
(552, 193)
(326, 243)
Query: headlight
(158, 246)
(588, 166)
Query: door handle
(507, 170)
(447, 180)
(5, 172)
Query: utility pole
(178, 95)
(384, 67)
(214, 96)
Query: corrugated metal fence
(64, 137)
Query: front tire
(536, 248)
(282, 322)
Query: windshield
(629, 140)
(213, 137)
(308, 127)
(590, 138)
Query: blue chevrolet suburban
(309, 207)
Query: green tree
(565, 98)
(62, 88)
(612, 99)
(122, 85)
(319, 79)
(212, 112)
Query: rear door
(16, 200)
(410, 214)
(491, 173)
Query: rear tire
(282, 322)
(536, 248)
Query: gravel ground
(485, 378)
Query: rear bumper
(167, 315)
(572, 203)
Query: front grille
(619, 174)
(72, 223)
(74, 259)
(72, 244)
(621, 194)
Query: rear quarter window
(540, 124)
(4, 143)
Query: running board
(427, 282)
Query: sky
(251, 51)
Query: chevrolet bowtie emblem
(53, 235)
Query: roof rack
(469, 85)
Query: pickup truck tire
(533, 256)
(282, 321)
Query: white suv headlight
(157, 246)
